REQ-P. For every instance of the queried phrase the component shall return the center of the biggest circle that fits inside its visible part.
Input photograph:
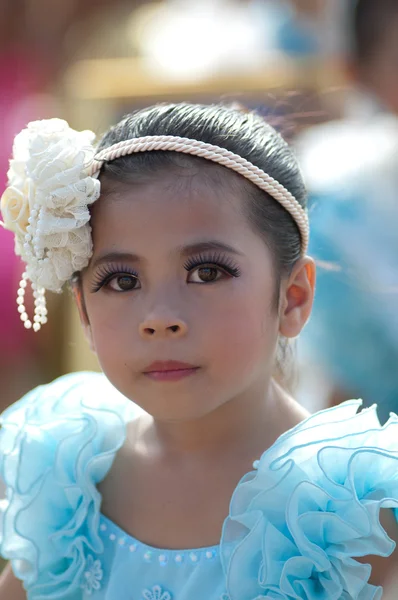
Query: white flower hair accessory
(46, 206)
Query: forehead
(170, 208)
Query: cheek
(110, 326)
(244, 332)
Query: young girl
(183, 237)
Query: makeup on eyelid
(107, 273)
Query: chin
(172, 402)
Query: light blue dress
(296, 522)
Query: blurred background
(324, 72)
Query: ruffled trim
(297, 523)
(56, 445)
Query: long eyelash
(107, 272)
(218, 259)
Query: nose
(162, 327)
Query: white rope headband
(215, 154)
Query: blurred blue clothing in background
(352, 174)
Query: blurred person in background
(22, 78)
(351, 170)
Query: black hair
(242, 132)
(370, 19)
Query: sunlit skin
(224, 415)
(197, 285)
(227, 328)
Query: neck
(246, 421)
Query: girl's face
(177, 274)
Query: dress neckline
(117, 535)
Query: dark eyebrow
(115, 257)
(184, 251)
(207, 246)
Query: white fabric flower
(48, 178)
(92, 575)
(15, 209)
(156, 593)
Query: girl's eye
(210, 268)
(116, 279)
(205, 274)
(123, 283)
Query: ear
(77, 290)
(297, 295)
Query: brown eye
(124, 283)
(208, 273)
(205, 275)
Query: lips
(169, 370)
(168, 365)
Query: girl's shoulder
(312, 505)
(68, 395)
(56, 444)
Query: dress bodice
(295, 526)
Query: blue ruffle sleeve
(56, 445)
(311, 506)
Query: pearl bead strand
(21, 301)
(32, 251)
(40, 312)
